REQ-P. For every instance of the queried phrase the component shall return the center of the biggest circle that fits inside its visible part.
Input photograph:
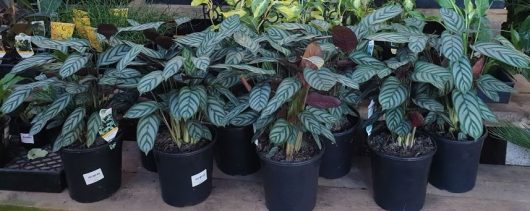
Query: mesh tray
(39, 175)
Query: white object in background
(26, 138)
(516, 155)
(23, 45)
(371, 46)
(199, 178)
(93, 176)
(371, 108)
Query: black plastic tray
(39, 175)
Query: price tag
(199, 178)
(109, 128)
(93, 176)
(26, 138)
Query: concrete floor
(498, 188)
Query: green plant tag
(108, 129)
(36, 153)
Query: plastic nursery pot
(290, 185)
(337, 159)
(185, 178)
(455, 164)
(148, 161)
(93, 174)
(4, 138)
(235, 154)
(400, 183)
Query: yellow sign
(120, 12)
(61, 31)
(92, 38)
(81, 19)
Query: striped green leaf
(346, 81)
(193, 39)
(394, 118)
(128, 57)
(403, 128)
(503, 54)
(247, 42)
(364, 73)
(276, 34)
(66, 139)
(382, 14)
(430, 73)
(394, 37)
(141, 109)
(252, 69)
(215, 112)
(146, 132)
(181, 20)
(328, 135)
(173, 104)
(244, 119)
(462, 74)
(74, 88)
(125, 73)
(172, 67)
(452, 20)
(94, 122)
(57, 106)
(394, 63)
(73, 120)
(235, 57)
(15, 99)
(429, 104)
(73, 64)
(322, 115)
(236, 110)
(282, 132)
(488, 82)
(208, 44)
(287, 88)
(468, 113)
(198, 131)
(485, 111)
(360, 57)
(322, 79)
(150, 81)
(392, 93)
(189, 101)
(263, 121)
(34, 61)
(259, 96)
(229, 26)
(113, 55)
(452, 46)
(310, 122)
(417, 43)
(201, 63)
(141, 27)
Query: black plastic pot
(235, 154)
(81, 163)
(41, 139)
(290, 185)
(337, 159)
(185, 178)
(455, 164)
(4, 138)
(400, 183)
(148, 161)
(504, 97)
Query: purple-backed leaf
(322, 101)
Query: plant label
(371, 109)
(23, 46)
(108, 129)
(2, 50)
(93, 176)
(371, 45)
(38, 28)
(26, 138)
(199, 178)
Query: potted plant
(6, 84)
(456, 114)
(401, 155)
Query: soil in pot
(235, 154)
(185, 173)
(400, 175)
(291, 185)
(94, 173)
(455, 164)
(337, 160)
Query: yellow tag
(92, 38)
(81, 19)
(120, 12)
(61, 31)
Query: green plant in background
(448, 80)
(519, 135)
(6, 86)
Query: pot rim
(185, 154)
(457, 142)
(293, 163)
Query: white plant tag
(23, 46)
(371, 108)
(109, 128)
(26, 138)
(371, 45)
(2, 50)
(93, 176)
(199, 178)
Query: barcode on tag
(199, 178)
(26, 138)
(93, 176)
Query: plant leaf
(141, 109)
(503, 54)
(452, 21)
(462, 74)
(287, 88)
(244, 119)
(392, 93)
(128, 57)
(259, 96)
(282, 132)
(394, 118)
(322, 79)
(73, 120)
(94, 122)
(429, 104)
(150, 81)
(73, 64)
(172, 67)
(381, 15)
(469, 115)
(36, 60)
(188, 103)
(452, 46)
(15, 99)
(147, 131)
